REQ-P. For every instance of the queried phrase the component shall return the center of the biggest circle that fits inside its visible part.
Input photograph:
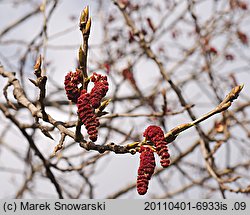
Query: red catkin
(99, 90)
(128, 75)
(87, 115)
(242, 5)
(242, 37)
(234, 4)
(146, 169)
(155, 134)
(86, 102)
(213, 50)
(71, 82)
(229, 57)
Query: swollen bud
(84, 17)
(104, 104)
(85, 21)
(88, 25)
(81, 56)
(37, 67)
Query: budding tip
(241, 86)
(88, 25)
(86, 10)
(84, 15)
(38, 62)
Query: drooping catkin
(87, 115)
(146, 169)
(155, 134)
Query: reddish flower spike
(99, 90)
(229, 57)
(146, 169)
(128, 75)
(242, 5)
(242, 37)
(71, 82)
(87, 115)
(213, 50)
(156, 135)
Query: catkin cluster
(155, 135)
(86, 102)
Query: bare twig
(19, 21)
(85, 25)
(34, 147)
